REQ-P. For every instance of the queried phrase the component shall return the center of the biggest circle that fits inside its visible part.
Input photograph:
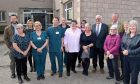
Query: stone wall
(126, 8)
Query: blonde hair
(88, 25)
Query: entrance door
(40, 17)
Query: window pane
(3, 16)
(27, 10)
(69, 11)
(69, 14)
(27, 17)
(69, 5)
(0, 16)
(49, 18)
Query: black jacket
(131, 44)
(102, 35)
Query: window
(2, 16)
(69, 11)
(26, 16)
(49, 18)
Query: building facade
(41, 10)
(88, 9)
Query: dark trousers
(98, 53)
(71, 61)
(113, 68)
(85, 64)
(31, 60)
(21, 66)
(122, 63)
(64, 56)
(12, 62)
(79, 55)
(131, 66)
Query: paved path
(93, 78)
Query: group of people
(118, 43)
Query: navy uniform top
(55, 35)
(29, 31)
(22, 43)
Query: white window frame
(3, 19)
(67, 9)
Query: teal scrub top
(39, 42)
(55, 35)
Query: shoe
(13, 76)
(31, 70)
(68, 73)
(26, 78)
(20, 80)
(74, 71)
(94, 70)
(42, 77)
(122, 77)
(60, 75)
(102, 71)
(34, 70)
(52, 74)
(79, 65)
(117, 82)
(85, 73)
(109, 77)
(38, 77)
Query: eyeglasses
(19, 28)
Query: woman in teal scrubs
(39, 41)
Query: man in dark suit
(101, 31)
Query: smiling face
(63, 21)
(126, 25)
(87, 27)
(30, 24)
(37, 26)
(19, 28)
(98, 20)
(13, 19)
(55, 21)
(113, 31)
(115, 18)
(133, 28)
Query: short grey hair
(19, 26)
(98, 16)
(134, 22)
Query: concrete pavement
(93, 78)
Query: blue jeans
(113, 68)
(59, 56)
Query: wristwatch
(35, 48)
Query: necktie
(97, 30)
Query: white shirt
(72, 40)
(16, 32)
(99, 27)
